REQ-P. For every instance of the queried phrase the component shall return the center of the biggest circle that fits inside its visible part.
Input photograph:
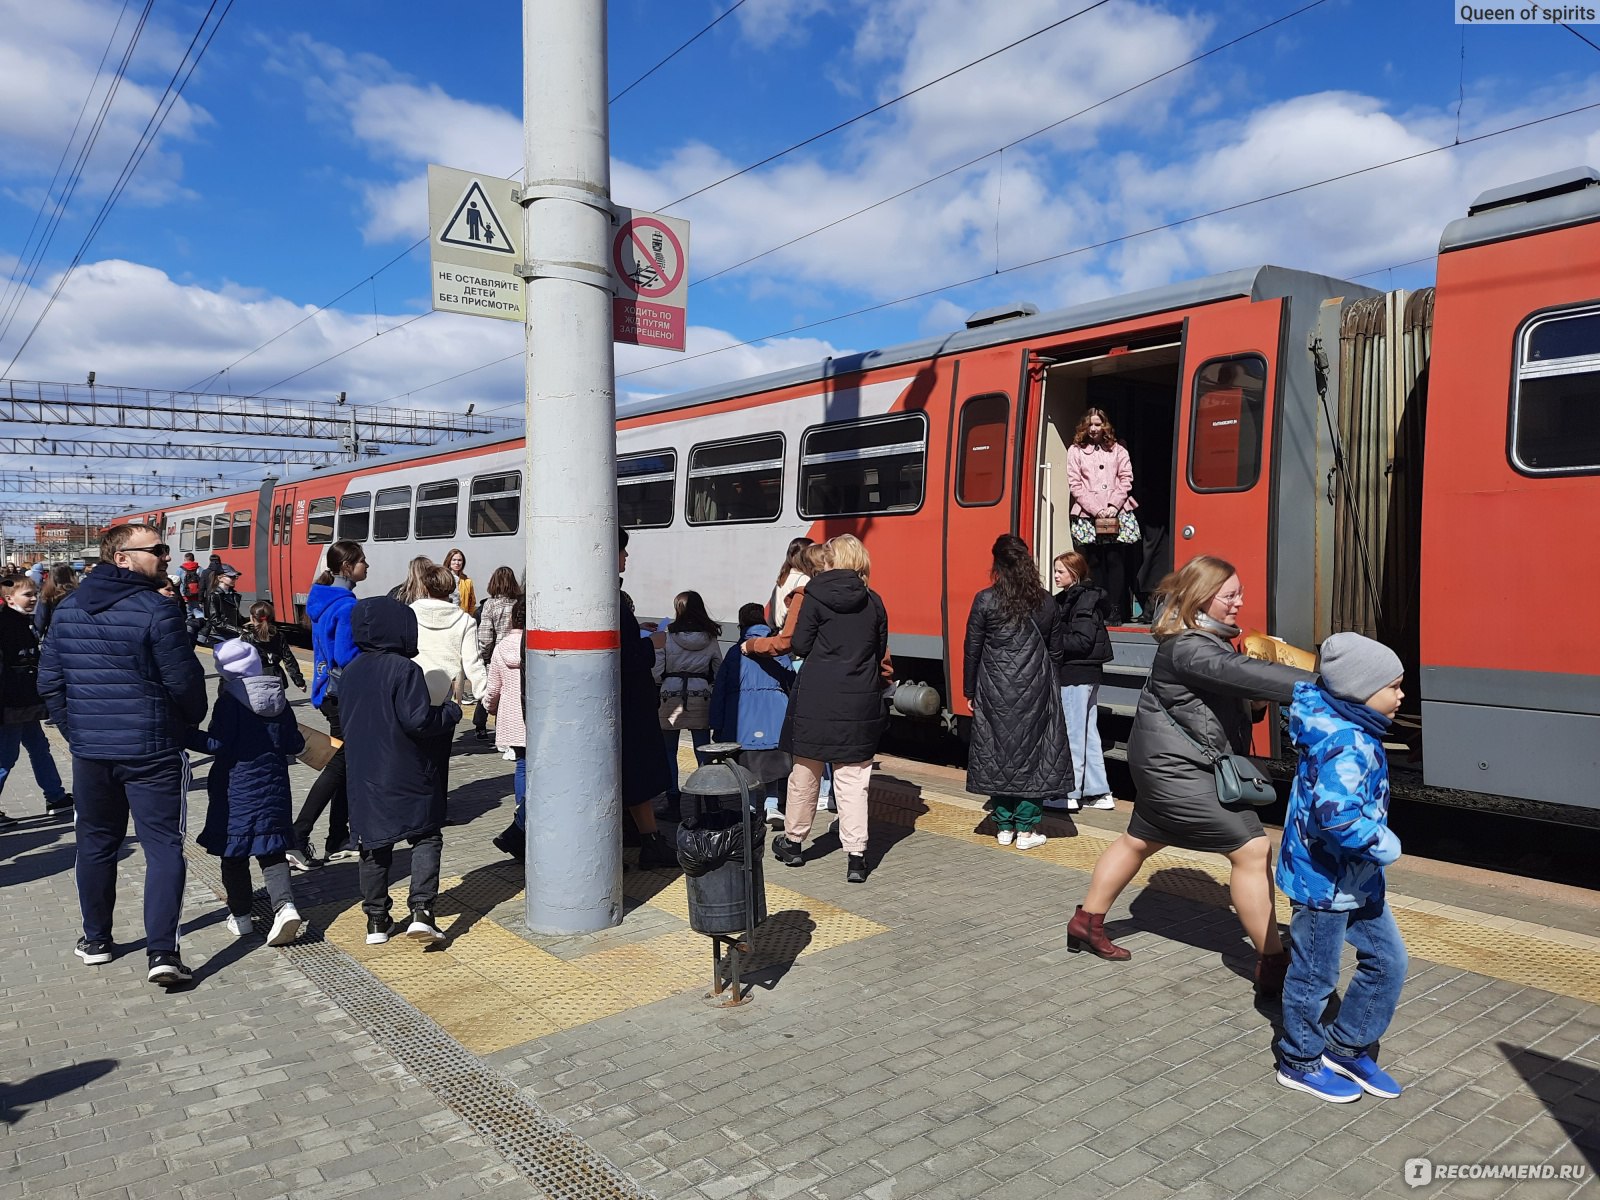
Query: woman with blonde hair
(415, 586)
(1202, 692)
(836, 710)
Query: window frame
(672, 501)
(242, 519)
(1261, 425)
(689, 474)
(959, 449)
(312, 513)
(347, 508)
(418, 504)
(847, 455)
(226, 521)
(378, 506)
(186, 534)
(1513, 404)
(472, 483)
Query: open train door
(1222, 494)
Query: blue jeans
(1318, 939)
(30, 736)
(519, 781)
(1080, 703)
(669, 739)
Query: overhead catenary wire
(705, 29)
(878, 108)
(163, 108)
(74, 176)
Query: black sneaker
(379, 930)
(301, 860)
(167, 970)
(93, 953)
(656, 854)
(856, 869)
(790, 854)
(422, 927)
(59, 808)
(8, 822)
(511, 842)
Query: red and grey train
(1424, 467)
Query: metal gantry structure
(87, 483)
(305, 456)
(25, 402)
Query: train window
(981, 467)
(219, 531)
(436, 510)
(186, 534)
(355, 516)
(241, 529)
(391, 515)
(1230, 400)
(1555, 402)
(319, 521)
(736, 481)
(202, 533)
(494, 505)
(645, 484)
(853, 468)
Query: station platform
(926, 1034)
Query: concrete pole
(574, 834)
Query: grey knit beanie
(1356, 668)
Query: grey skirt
(1196, 822)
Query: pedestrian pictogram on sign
(650, 266)
(476, 225)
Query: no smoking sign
(650, 268)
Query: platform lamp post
(574, 849)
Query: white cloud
(48, 61)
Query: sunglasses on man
(160, 550)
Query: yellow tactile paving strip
(1554, 960)
(490, 989)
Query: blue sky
(292, 170)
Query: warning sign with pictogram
(650, 275)
(475, 240)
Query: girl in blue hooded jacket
(748, 704)
(1336, 842)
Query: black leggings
(1108, 560)
(329, 788)
(236, 881)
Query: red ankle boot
(1270, 971)
(1087, 931)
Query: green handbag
(1240, 783)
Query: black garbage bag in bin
(707, 841)
(711, 853)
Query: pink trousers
(850, 782)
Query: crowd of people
(804, 692)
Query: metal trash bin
(721, 852)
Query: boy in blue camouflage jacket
(1336, 842)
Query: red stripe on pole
(574, 639)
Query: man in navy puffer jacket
(123, 684)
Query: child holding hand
(1336, 842)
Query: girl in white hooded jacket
(447, 652)
(686, 667)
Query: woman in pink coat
(1100, 476)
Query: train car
(1274, 417)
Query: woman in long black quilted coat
(1020, 754)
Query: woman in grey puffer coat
(1200, 688)
(1020, 753)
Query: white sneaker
(1105, 802)
(285, 926)
(1030, 840)
(1005, 837)
(240, 926)
(774, 819)
(509, 754)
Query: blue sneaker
(1364, 1072)
(1323, 1083)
